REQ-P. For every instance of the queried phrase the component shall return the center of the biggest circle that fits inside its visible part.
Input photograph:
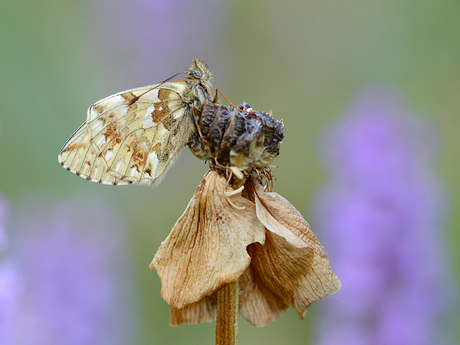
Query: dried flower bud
(240, 137)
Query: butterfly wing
(123, 143)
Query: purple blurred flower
(3, 216)
(73, 274)
(143, 42)
(382, 219)
(8, 300)
(8, 281)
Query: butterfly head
(200, 76)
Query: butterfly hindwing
(125, 142)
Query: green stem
(227, 314)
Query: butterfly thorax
(199, 81)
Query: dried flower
(238, 229)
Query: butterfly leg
(216, 98)
(198, 127)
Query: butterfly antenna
(132, 101)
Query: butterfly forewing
(125, 142)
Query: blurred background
(368, 91)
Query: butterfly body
(133, 136)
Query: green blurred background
(304, 59)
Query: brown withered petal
(276, 271)
(253, 304)
(202, 311)
(206, 249)
(291, 264)
(318, 283)
(280, 217)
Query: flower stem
(227, 314)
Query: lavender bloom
(382, 220)
(3, 234)
(8, 281)
(8, 300)
(73, 274)
(142, 41)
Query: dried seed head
(241, 137)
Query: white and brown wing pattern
(125, 141)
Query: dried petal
(302, 268)
(203, 311)
(318, 283)
(277, 269)
(254, 306)
(206, 249)
(280, 217)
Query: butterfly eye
(195, 73)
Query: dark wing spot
(73, 147)
(157, 148)
(98, 108)
(128, 96)
(140, 155)
(163, 94)
(160, 112)
(168, 122)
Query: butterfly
(134, 136)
